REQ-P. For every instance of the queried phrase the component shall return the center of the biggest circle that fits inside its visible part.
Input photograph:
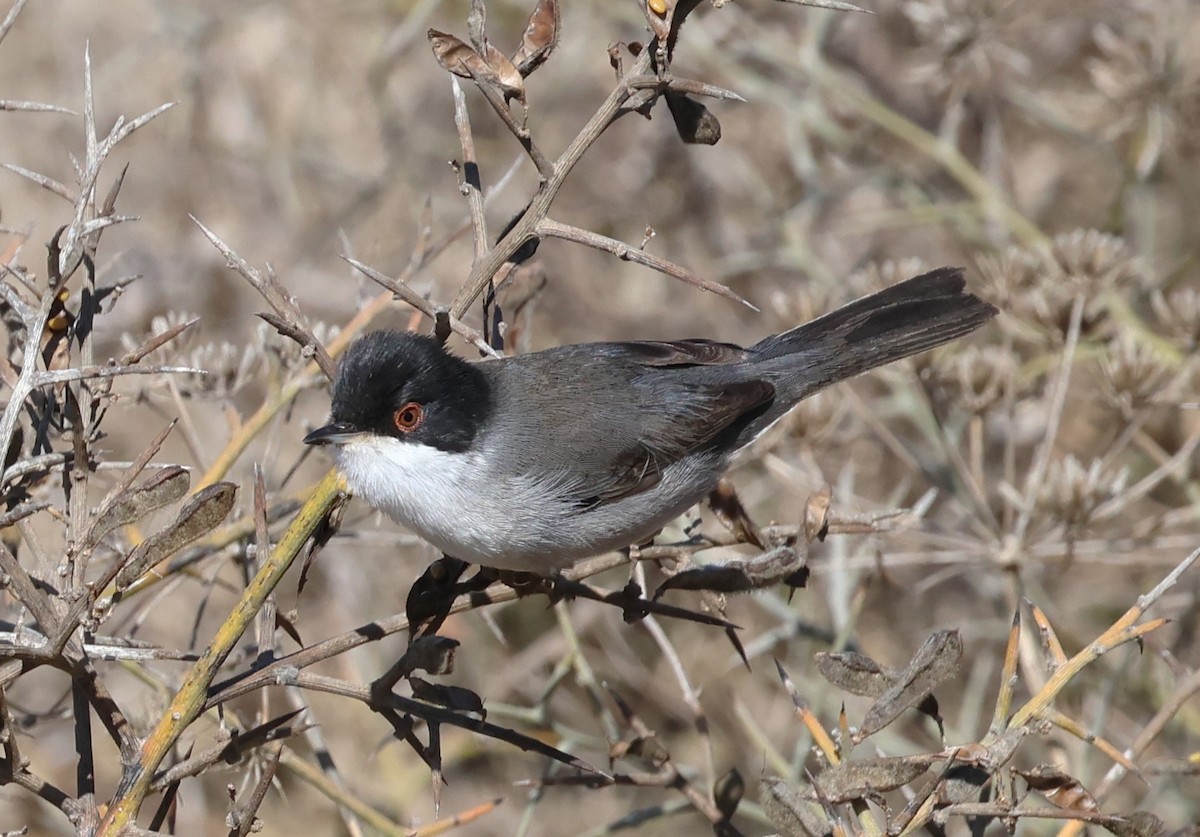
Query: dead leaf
(936, 660)
(974, 765)
(790, 812)
(199, 516)
(1139, 824)
(728, 792)
(816, 514)
(540, 37)
(326, 529)
(852, 780)
(458, 57)
(434, 654)
(728, 507)
(507, 77)
(1059, 789)
(855, 673)
(696, 124)
(167, 486)
(451, 697)
(779, 566)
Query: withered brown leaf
(789, 811)
(1138, 824)
(728, 792)
(728, 507)
(167, 486)
(696, 124)
(1059, 789)
(199, 516)
(851, 780)
(507, 77)
(780, 565)
(936, 660)
(458, 57)
(816, 514)
(434, 654)
(539, 38)
(855, 673)
(457, 698)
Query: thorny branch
(70, 592)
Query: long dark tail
(913, 316)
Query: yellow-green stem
(189, 700)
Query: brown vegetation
(999, 628)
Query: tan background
(309, 130)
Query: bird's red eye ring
(409, 417)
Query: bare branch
(402, 291)
(46, 182)
(625, 252)
(35, 107)
(289, 321)
(11, 18)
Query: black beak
(338, 433)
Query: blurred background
(1050, 148)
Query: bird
(532, 462)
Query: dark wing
(668, 437)
(681, 352)
(620, 414)
(677, 417)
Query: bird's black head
(404, 385)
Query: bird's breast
(455, 502)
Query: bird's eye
(409, 417)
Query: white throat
(447, 498)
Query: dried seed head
(810, 422)
(969, 46)
(1071, 493)
(975, 378)
(1132, 374)
(1039, 296)
(229, 368)
(1086, 263)
(815, 418)
(813, 299)
(793, 307)
(1093, 261)
(1131, 67)
(173, 350)
(289, 353)
(1147, 84)
(879, 275)
(1008, 277)
(1178, 315)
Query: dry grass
(1044, 468)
